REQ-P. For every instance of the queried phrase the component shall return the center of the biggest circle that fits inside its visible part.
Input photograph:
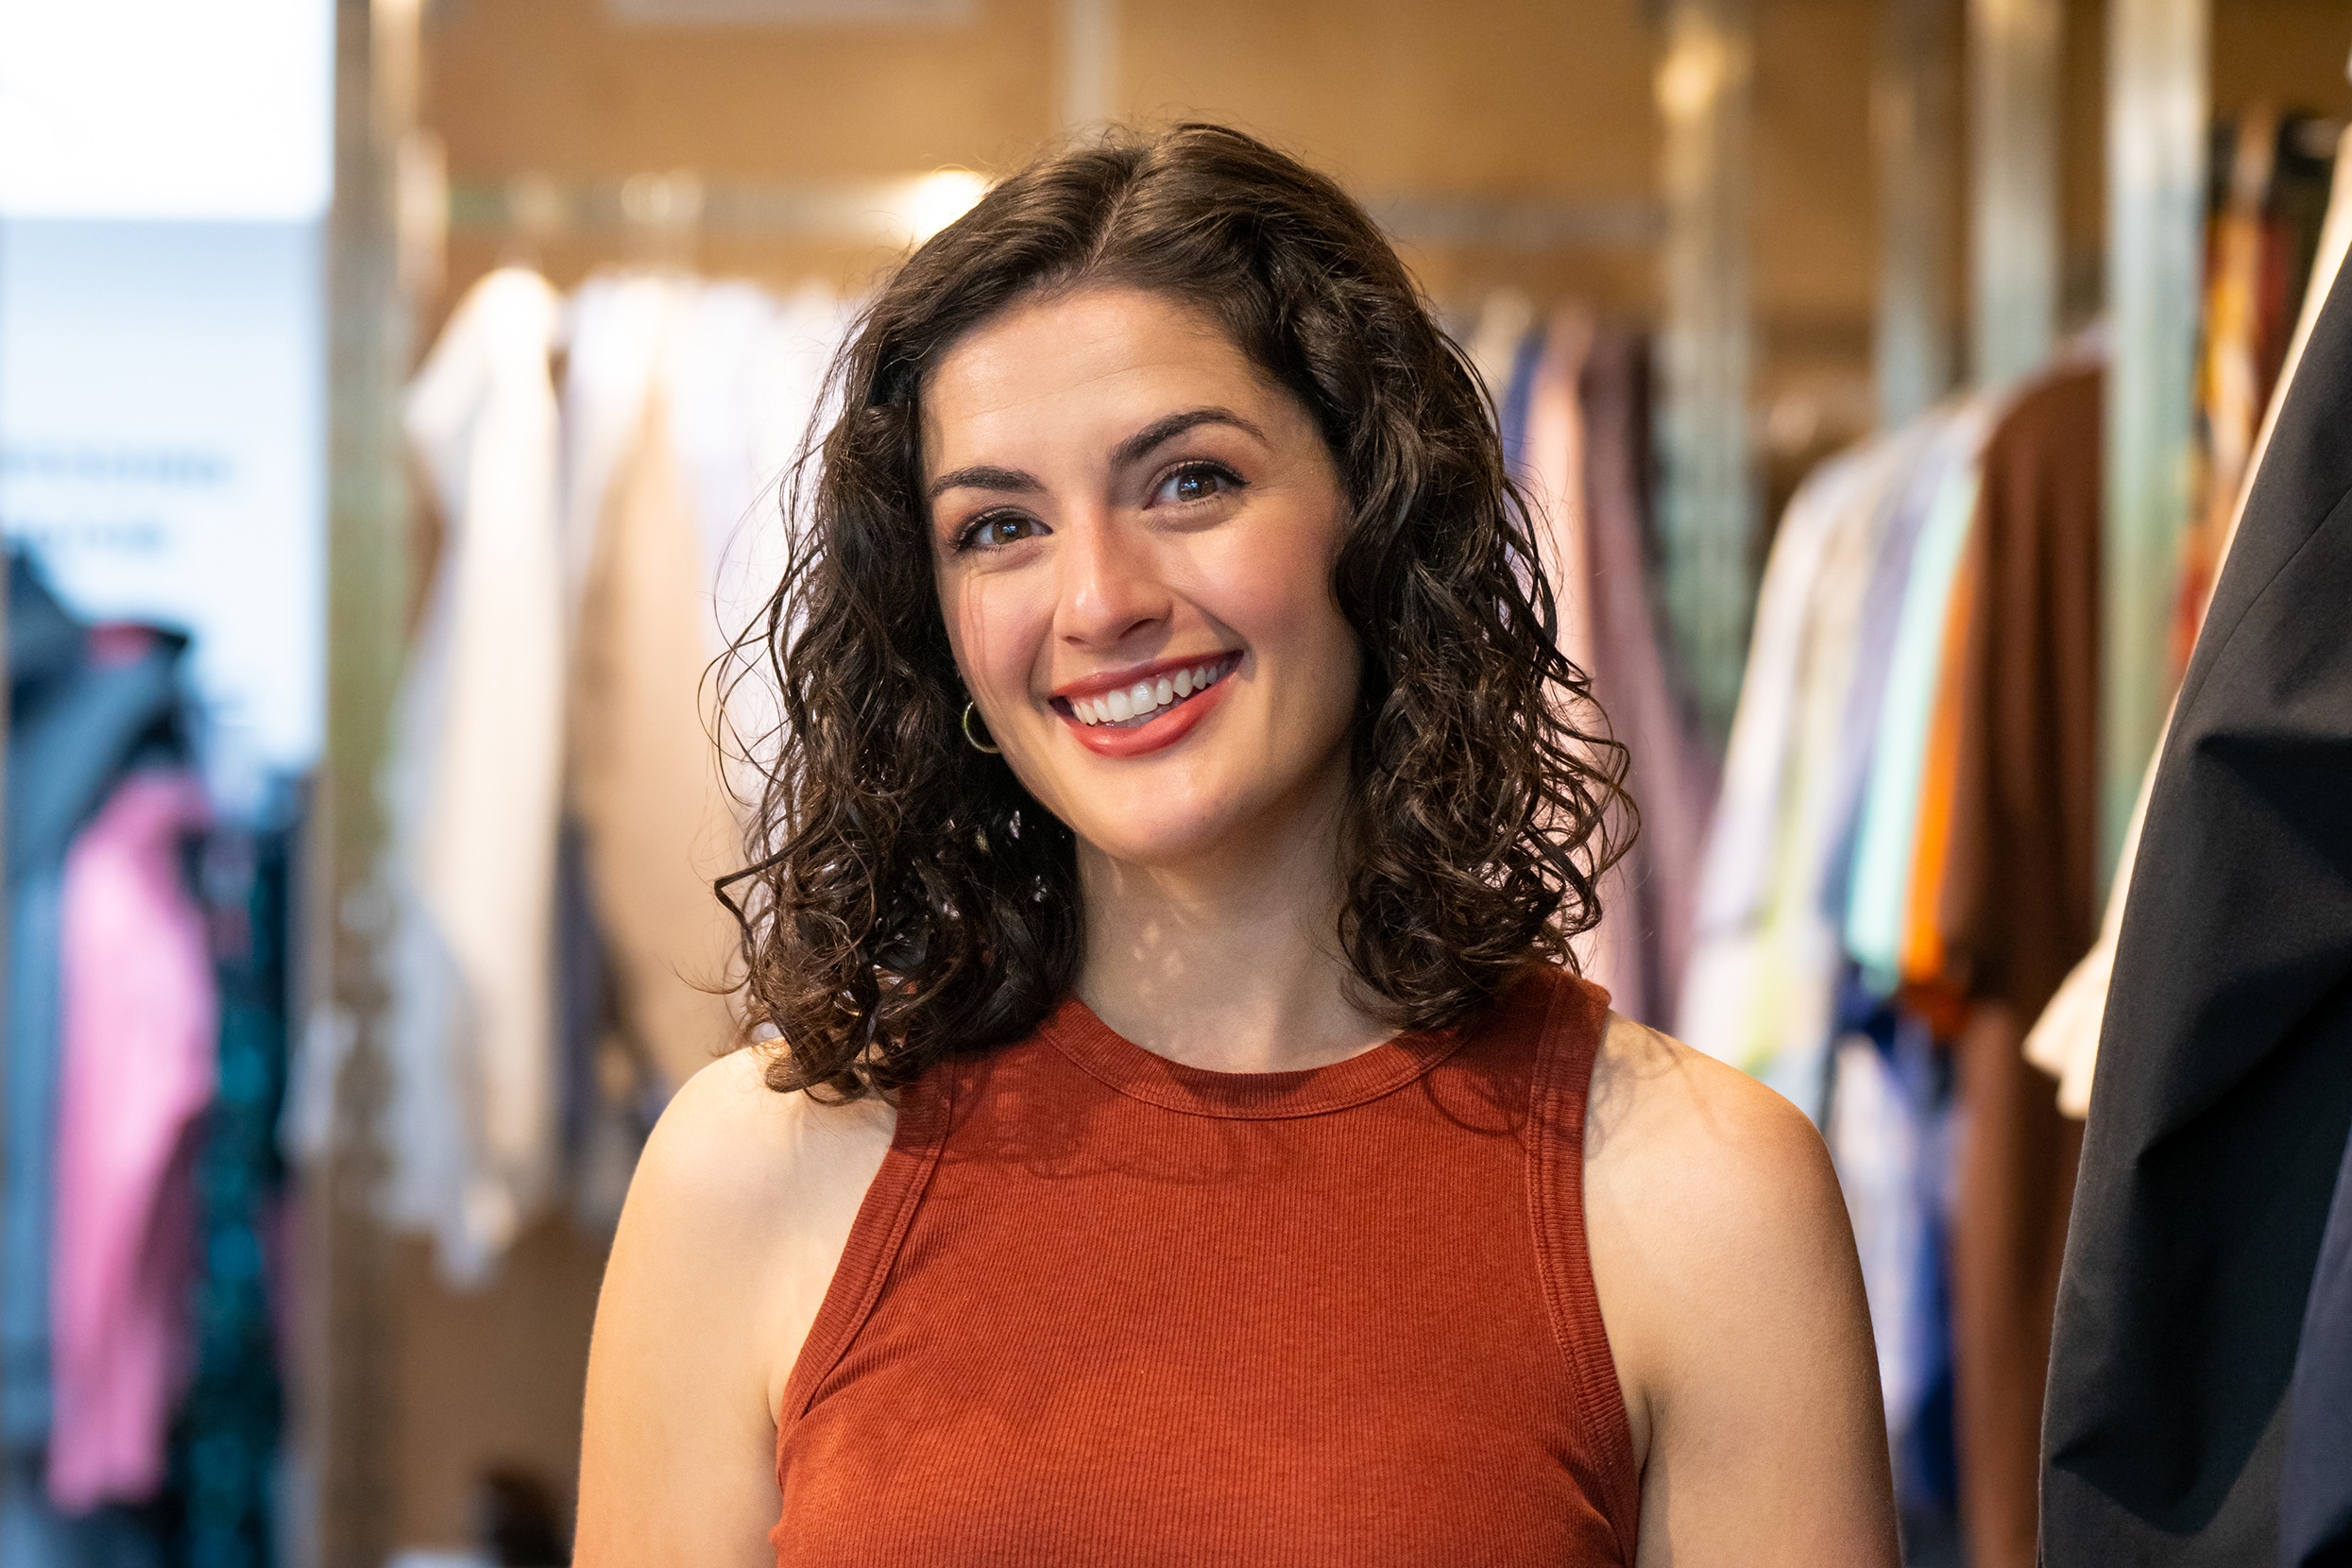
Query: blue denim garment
(74, 725)
(2315, 1490)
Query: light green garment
(1757, 989)
(1890, 809)
(1720, 1004)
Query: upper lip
(1119, 680)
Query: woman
(1184, 1140)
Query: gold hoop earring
(974, 741)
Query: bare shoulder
(728, 1146)
(1682, 1127)
(1702, 1186)
(736, 1220)
(1733, 1298)
(759, 1188)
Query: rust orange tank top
(1103, 1308)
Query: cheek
(1276, 589)
(987, 618)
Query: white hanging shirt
(473, 789)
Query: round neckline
(1145, 1075)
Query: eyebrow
(1158, 433)
(982, 477)
(1161, 430)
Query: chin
(1174, 846)
(1151, 832)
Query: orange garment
(1930, 987)
(1103, 1308)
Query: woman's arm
(736, 1220)
(1734, 1301)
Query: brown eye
(1197, 482)
(997, 530)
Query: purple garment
(138, 1016)
(1674, 777)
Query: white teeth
(1137, 702)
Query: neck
(1229, 961)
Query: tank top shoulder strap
(891, 1199)
(1575, 1024)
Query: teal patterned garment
(227, 1443)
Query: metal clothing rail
(893, 211)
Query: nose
(1110, 590)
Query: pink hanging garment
(137, 1054)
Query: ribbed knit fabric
(1103, 1308)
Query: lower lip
(1162, 732)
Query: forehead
(1081, 366)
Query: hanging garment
(34, 1535)
(1888, 1132)
(743, 373)
(2065, 1041)
(2223, 1094)
(2315, 1482)
(473, 792)
(1494, 345)
(745, 378)
(1886, 833)
(1718, 1011)
(74, 723)
(1554, 464)
(2014, 904)
(1801, 962)
(228, 1436)
(139, 1015)
(1760, 987)
(647, 782)
(1605, 630)
(1952, 441)
(712, 371)
(1671, 778)
(1511, 405)
(2002, 905)
(26, 1402)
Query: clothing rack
(897, 211)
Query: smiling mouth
(1132, 706)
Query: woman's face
(1135, 533)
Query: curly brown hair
(907, 900)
